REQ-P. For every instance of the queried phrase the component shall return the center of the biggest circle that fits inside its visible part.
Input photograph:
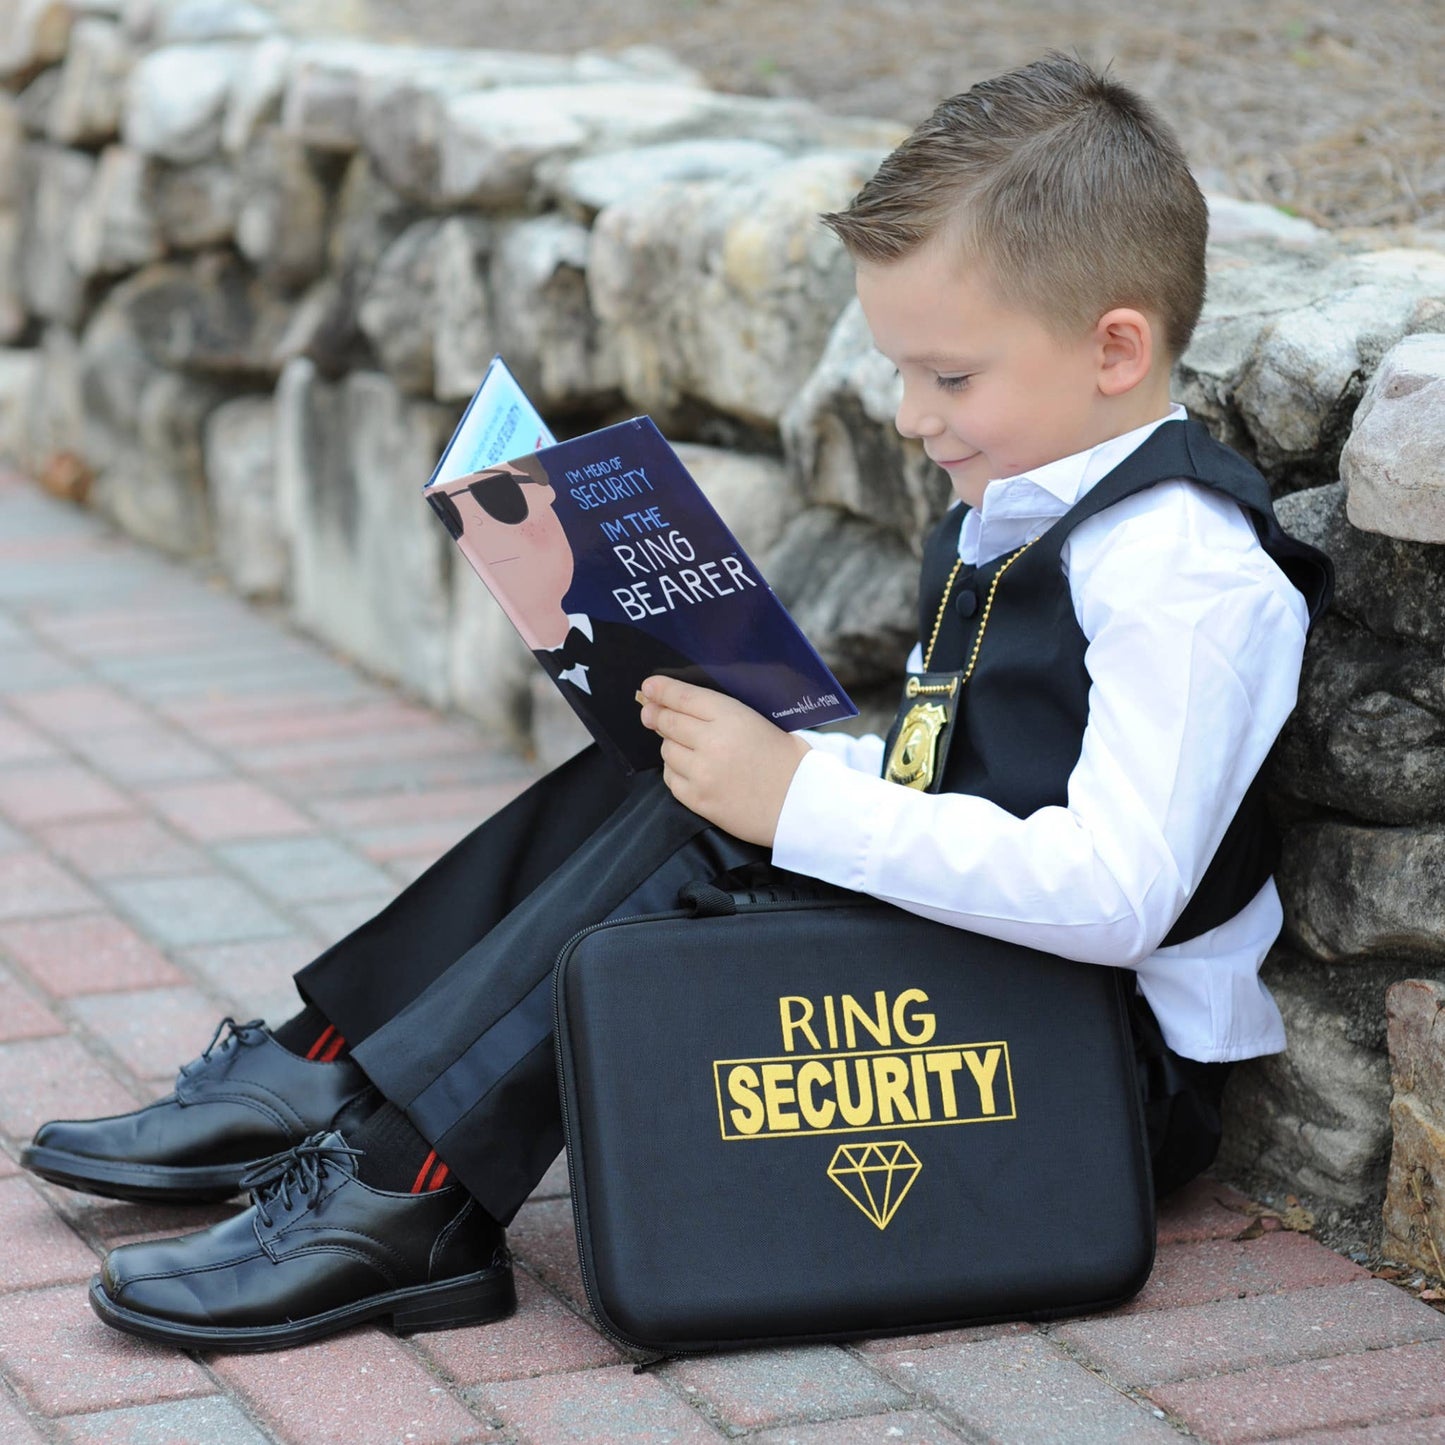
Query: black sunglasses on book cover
(498, 494)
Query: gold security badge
(920, 742)
(917, 753)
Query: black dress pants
(445, 997)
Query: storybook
(613, 565)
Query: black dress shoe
(317, 1252)
(245, 1099)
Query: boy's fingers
(680, 727)
(681, 696)
(675, 759)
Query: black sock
(394, 1156)
(310, 1035)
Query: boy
(1031, 259)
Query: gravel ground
(1332, 108)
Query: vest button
(966, 603)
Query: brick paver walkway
(192, 800)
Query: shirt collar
(1017, 508)
(582, 623)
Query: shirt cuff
(830, 816)
(861, 754)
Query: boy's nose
(913, 420)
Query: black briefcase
(807, 1118)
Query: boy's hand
(726, 762)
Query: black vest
(1019, 725)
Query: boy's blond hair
(1066, 187)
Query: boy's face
(988, 389)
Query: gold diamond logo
(875, 1176)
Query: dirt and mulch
(1334, 109)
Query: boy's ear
(1124, 338)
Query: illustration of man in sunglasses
(504, 518)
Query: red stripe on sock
(431, 1159)
(321, 1042)
(439, 1178)
(337, 1045)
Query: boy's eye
(952, 383)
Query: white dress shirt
(1195, 639)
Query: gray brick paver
(206, 908)
(1025, 1390)
(304, 870)
(764, 1387)
(151, 1031)
(18, 1425)
(596, 1405)
(899, 1427)
(214, 1419)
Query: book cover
(613, 565)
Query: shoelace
(302, 1168)
(236, 1032)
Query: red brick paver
(80, 711)
(57, 793)
(119, 848)
(1369, 1389)
(22, 1016)
(544, 1237)
(1399, 1432)
(63, 1360)
(1239, 1334)
(40, 1247)
(215, 812)
(20, 743)
(88, 953)
(1205, 1209)
(1187, 1274)
(544, 1337)
(363, 1388)
(56, 1078)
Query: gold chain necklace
(987, 608)
(920, 738)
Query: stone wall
(249, 277)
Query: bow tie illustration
(576, 647)
(575, 654)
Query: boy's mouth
(948, 462)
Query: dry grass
(1332, 108)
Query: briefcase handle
(757, 886)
